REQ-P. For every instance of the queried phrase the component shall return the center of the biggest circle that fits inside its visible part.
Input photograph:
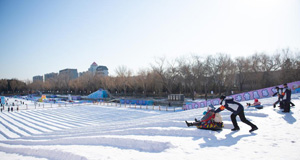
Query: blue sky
(44, 36)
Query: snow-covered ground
(110, 132)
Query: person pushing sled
(237, 110)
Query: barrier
(256, 94)
(138, 102)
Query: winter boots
(235, 129)
(253, 129)
(188, 124)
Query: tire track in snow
(7, 133)
(9, 128)
(42, 153)
(76, 121)
(39, 122)
(49, 119)
(14, 127)
(35, 127)
(28, 126)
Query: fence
(41, 105)
(141, 106)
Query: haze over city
(39, 37)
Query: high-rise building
(49, 76)
(37, 78)
(69, 73)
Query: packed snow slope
(110, 132)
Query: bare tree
(243, 69)
(123, 77)
(143, 80)
(3, 85)
(159, 71)
(188, 75)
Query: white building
(95, 69)
(102, 70)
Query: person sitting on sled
(236, 109)
(256, 103)
(209, 117)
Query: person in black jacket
(286, 93)
(278, 93)
(236, 109)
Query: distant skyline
(39, 37)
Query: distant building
(83, 73)
(102, 70)
(50, 76)
(69, 73)
(37, 78)
(93, 68)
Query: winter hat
(223, 97)
(255, 100)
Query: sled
(258, 106)
(211, 125)
(208, 122)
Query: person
(237, 110)
(278, 93)
(256, 103)
(286, 98)
(210, 120)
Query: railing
(41, 105)
(136, 106)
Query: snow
(94, 131)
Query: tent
(98, 94)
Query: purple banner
(256, 94)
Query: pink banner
(256, 94)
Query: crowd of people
(10, 107)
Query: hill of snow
(110, 132)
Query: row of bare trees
(193, 75)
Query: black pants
(287, 106)
(243, 119)
(276, 102)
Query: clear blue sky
(43, 36)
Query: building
(37, 78)
(83, 73)
(102, 70)
(69, 73)
(93, 68)
(50, 76)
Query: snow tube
(258, 106)
(207, 122)
(211, 125)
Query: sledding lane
(30, 129)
